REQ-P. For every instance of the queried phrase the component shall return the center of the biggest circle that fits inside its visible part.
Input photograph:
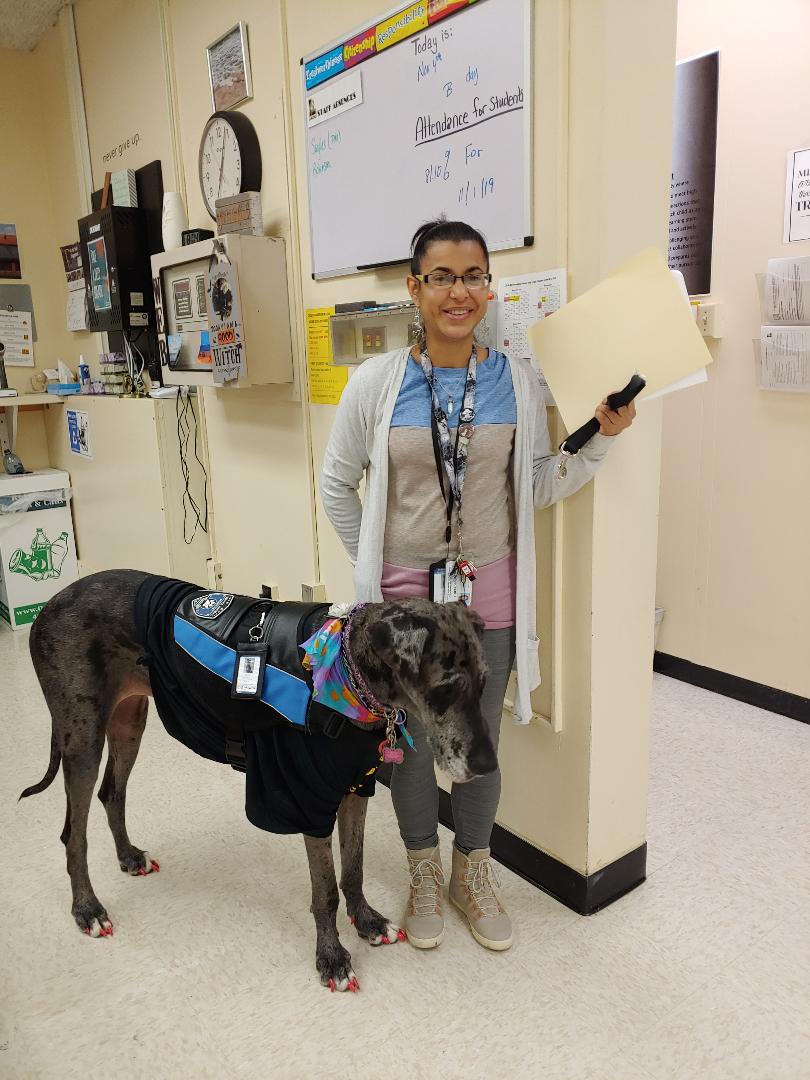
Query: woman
(453, 410)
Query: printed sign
(17, 336)
(402, 25)
(797, 196)
(79, 433)
(323, 67)
(691, 207)
(360, 48)
(99, 275)
(334, 99)
(225, 321)
(326, 382)
(44, 560)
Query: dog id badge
(248, 675)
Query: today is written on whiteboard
(407, 136)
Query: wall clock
(230, 160)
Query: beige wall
(258, 456)
(42, 199)
(261, 475)
(117, 496)
(124, 82)
(733, 572)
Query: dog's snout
(483, 758)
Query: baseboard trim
(584, 894)
(732, 686)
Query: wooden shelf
(31, 399)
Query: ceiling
(23, 23)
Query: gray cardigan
(358, 444)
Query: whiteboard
(439, 122)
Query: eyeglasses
(440, 279)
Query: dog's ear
(401, 650)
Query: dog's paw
(335, 969)
(376, 929)
(138, 863)
(93, 920)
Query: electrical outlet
(270, 592)
(709, 320)
(313, 593)
(213, 573)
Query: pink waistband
(493, 589)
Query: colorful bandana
(332, 686)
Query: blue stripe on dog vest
(281, 691)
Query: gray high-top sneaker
(472, 890)
(424, 915)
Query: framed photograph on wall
(229, 69)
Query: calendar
(522, 301)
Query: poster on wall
(17, 337)
(225, 323)
(524, 300)
(9, 252)
(99, 275)
(694, 150)
(78, 424)
(797, 196)
(326, 382)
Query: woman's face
(451, 313)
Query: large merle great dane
(410, 655)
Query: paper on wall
(522, 301)
(76, 310)
(797, 196)
(784, 355)
(16, 334)
(634, 320)
(326, 381)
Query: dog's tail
(47, 779)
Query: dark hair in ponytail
(433, 232)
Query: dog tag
(393, 755)
(248, 675)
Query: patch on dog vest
(211, 604)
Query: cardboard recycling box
(37, 548)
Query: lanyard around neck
(451, 460)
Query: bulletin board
(425, 111)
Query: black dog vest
(300, 758)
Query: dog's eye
(442, 696)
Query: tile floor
(703, 972)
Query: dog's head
(428, 659)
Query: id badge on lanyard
(449, 579)
(448, 584)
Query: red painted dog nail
(332, 985)
(155, 865)
(385, 940)
(401, 935)
(352, 919)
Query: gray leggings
(414, 790)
